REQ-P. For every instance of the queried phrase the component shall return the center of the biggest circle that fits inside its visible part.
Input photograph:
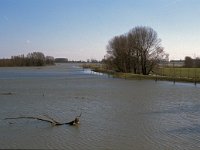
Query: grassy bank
(179, 72)
(163, 74)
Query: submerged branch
(49, 120)
(79, 115)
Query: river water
(116, 113)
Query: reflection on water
(116, 113)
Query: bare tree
(49, 60)
(37, 58)
(117, 49)
(147, 47)
(138, 51)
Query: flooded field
(116, 113)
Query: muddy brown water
(116, 113)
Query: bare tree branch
(37, 118)
(49, 120)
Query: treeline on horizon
(31, 59)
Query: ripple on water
(173, 127)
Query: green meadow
(179, 72)
(165, 74)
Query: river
(116, 113)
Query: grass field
(179, 72)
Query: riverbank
(160, 75)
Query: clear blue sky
(81, 29)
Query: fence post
(174, 73)
(195, 76)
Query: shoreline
(132, 76)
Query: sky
(81, 29)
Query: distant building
(163, 63)
(171, 63)
(61, 60)
(176, 63)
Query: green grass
(179, 72)
(154, 77)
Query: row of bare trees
(137, 51)
(32, 59)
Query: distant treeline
(31, 59)
(192, 63)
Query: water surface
(116, 113)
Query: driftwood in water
(50, 120)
